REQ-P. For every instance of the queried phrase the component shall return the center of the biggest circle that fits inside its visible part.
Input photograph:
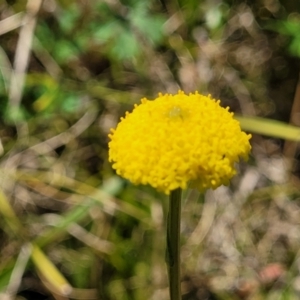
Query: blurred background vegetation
(70, 228)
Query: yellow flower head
(177, 139)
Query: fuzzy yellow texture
(178, 139)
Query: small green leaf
(149, 26)
(68, 18)
(126, 46)
(65, 51)
(108, 31)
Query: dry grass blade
(22, 53)
(11, 23)
(17, 273)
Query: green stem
(173, 244)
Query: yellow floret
(178, 139)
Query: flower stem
(173, 244)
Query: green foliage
(291, 29)
(62, 50)
(125, 35)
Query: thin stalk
(173, 244)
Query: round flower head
(178, 139)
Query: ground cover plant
(70, 227)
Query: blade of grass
(82, 235)
(76, 215)
(269, 127)
(49, 271)
(108, 201)
(17, 272)
(9, 215)
(5, 274)
(40, 260)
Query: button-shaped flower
(178, 139)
